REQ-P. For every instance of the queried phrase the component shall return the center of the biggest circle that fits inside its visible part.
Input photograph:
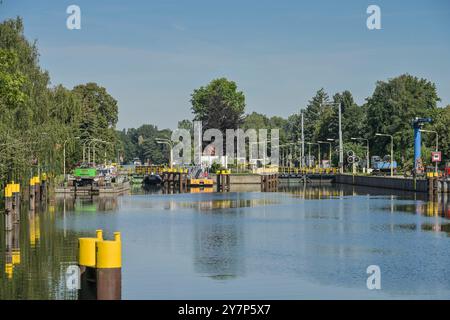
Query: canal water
(312, 242)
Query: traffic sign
(436, 156)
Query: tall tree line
(389, 110)
(36, 119)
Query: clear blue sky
(151, 55)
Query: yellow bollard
(16, 257)
(9, 214)
(9, 270)
(109, 268)
(87, 262)
(87, 250)
(8, 191)
(109, 253)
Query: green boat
(136, 179)
(85, 176)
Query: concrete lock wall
(242, 179)
(384, 182)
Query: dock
(94, 190)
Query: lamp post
(367, 151)
(437, 142)
(329, 143)
(64, 155)
(84, 148)
(341, 146)
(92, 142)
(100, 141)
(318, 145)
(392, 149)
(170, 143)
(264, 149)
(89, 148)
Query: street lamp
(64, 152)
(84, 148)
(437, 142)
(367, 154)
(170, 143)
(100, 141)
(265, 150)
(318, 145)
(341, 147)
(92, 141)
(329, 143)
(392, 149)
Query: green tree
(353, 117)
(392, 107)
(255, 121)
(35, 118)
(219, 105)
(317, 112)
(186, 124)
(441, 124)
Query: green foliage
(218, 105)
(141, 143)
(186, 124)
(391, 109)
(441, 124)
(36, 119)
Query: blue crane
(417, 124)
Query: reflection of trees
(44, 254)
(218, 247)
(314, 191)
(87, 204)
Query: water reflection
(33, 253)
(12, 250)
(325, 234)
(219, 249)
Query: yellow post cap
(9, 270)
(87, 247)
(8, 191)
(109, 253)
(99, 234)
(16, 257)
(86, 251)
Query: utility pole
(341, 147)
(341, 144)
(303, 144)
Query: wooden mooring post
(269, 182)
(100, 263)
(9, 213)
(175, 180)
(223, 181)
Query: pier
(431, 184)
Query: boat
(152, 180)
(137, 179)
